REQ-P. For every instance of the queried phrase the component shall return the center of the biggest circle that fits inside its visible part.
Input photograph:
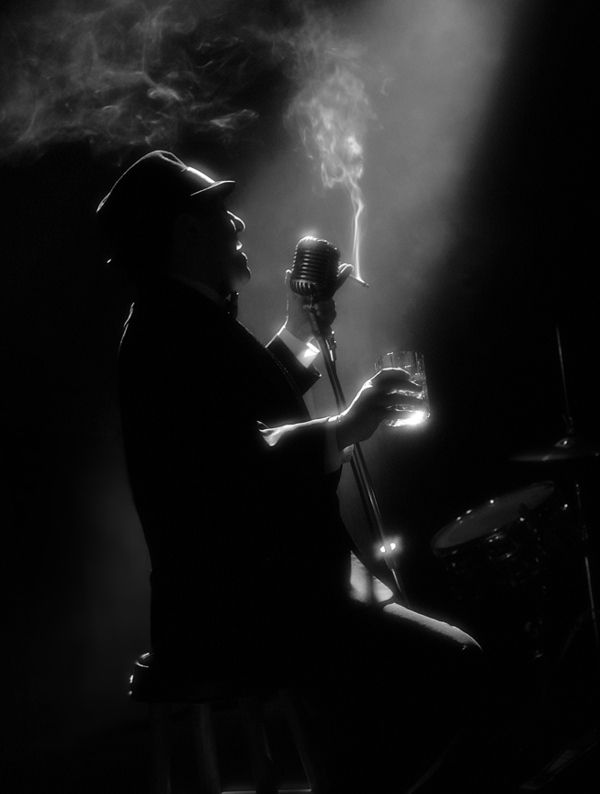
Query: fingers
(393, 377)
(344, 271)
(395, 402)
(395, 399)
(325, 311)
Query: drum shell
(512, 556)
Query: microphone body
(315, 269)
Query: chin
(241, 273)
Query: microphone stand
(326, 339)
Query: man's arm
(382, 394)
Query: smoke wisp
(332, 112)
(131, 75)
(127, 74)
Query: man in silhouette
(235, 485)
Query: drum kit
(521, 565)
(523, 558)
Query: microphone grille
(315, 267)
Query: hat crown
(153, 189)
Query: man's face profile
(216, 246)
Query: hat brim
(216, 190)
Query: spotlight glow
(390, 546)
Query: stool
(163, 691)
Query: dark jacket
(245, 536)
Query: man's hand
(377, 398)
(298, 321)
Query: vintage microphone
(314, 276)
(314, 273)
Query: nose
(238, 223)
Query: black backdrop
(73, 566)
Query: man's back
(240, 534)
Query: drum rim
(440, 551)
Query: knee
(467, 652)
(463, 647)
(473, 661)
(466, 661)
(470, 648)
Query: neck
(204, 289)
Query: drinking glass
(414, 363)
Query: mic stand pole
(327, 344)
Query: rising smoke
(332, 112)
(127, 75)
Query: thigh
(356, 638)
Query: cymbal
(568, 449)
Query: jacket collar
(168, 290)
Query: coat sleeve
(303, 377)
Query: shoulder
(168, 313)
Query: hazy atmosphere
(445, 146)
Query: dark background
(520, 258)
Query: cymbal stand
(577, 746)
(327, 344)
(581, 519)
(568, 416)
